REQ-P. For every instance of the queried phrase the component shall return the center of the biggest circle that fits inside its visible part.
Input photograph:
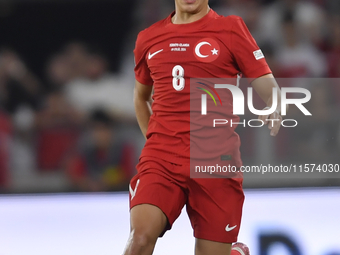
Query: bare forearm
(264, 88)
(143, 113)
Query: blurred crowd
(80, 122)
(77, 123)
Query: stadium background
(67, 123)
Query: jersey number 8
(178, 81)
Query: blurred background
(67, 124)
(66, 81)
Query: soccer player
(192, 42)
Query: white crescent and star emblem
(207, 50)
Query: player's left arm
(264, 87)
(251, 62)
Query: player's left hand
(273, 121)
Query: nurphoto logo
(239, 104)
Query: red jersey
(168, 55)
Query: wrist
(277, 110)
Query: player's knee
(142, 239)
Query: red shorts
(214, 206)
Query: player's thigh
(147, 222)
(156, 200)
(215, 208)
(205, 247)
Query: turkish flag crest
(207, 50)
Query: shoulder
(225, 21)
(152, 31)
(233, 24)
(230, 21)
(220, 23)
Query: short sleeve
(142, 71)
(246, 52)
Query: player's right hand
(273, 121)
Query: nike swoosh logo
(133, 191)
(153, 54)
(227, 228)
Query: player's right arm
(142, 102)
(144, 83)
